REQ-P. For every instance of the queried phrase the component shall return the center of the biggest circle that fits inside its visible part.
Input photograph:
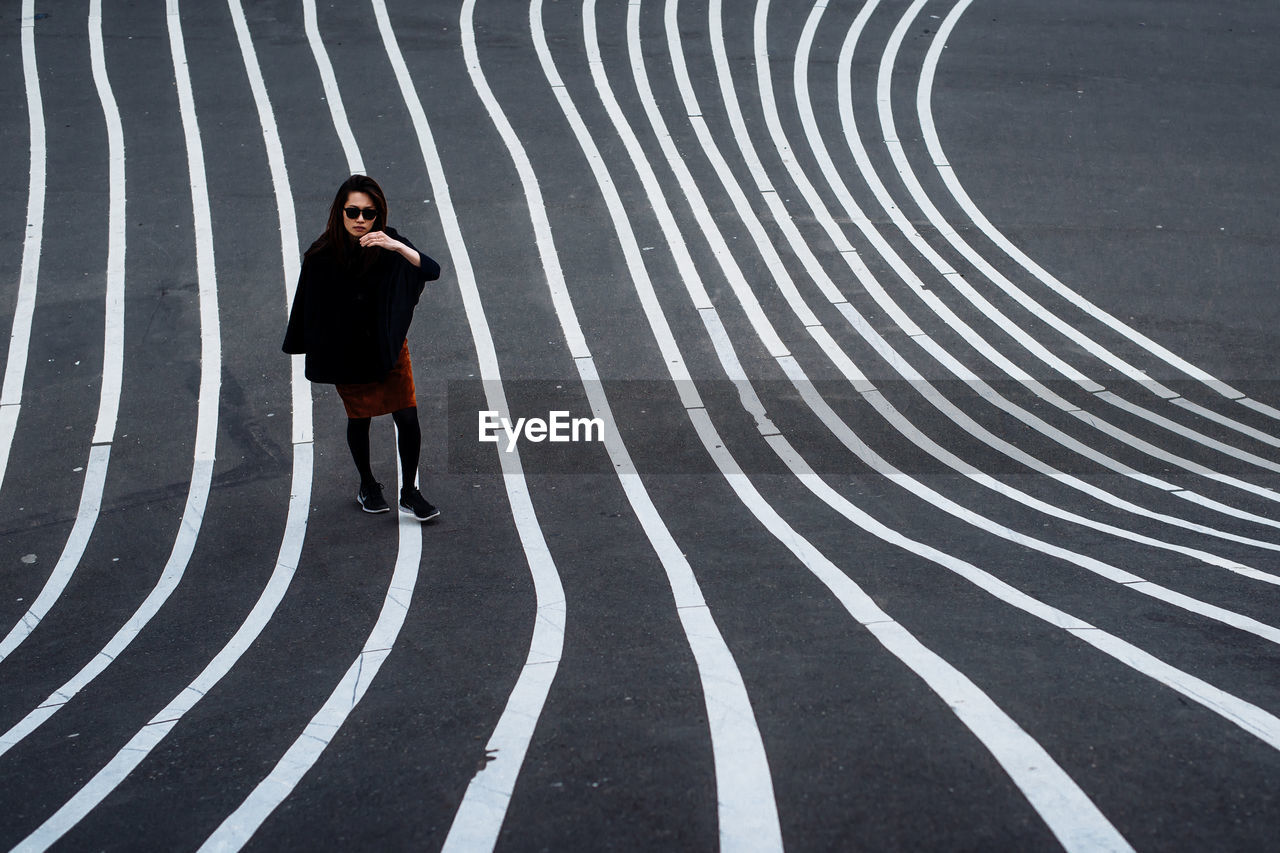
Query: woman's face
(358, 201)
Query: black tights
(409, 441)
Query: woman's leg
(358, 441)
(409, 438)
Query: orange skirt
(393, 393)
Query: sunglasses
(354, 212)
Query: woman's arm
(383, 240)
(428, 269)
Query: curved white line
(867, 331)
(149, 737)
(1067, 810)
(236, 829)
(839, 428)
(332, 97)
(864, 276)
(484, 804)
(112, 361)
(205, 441)
(907, 175)
(953, 277)
(837, 355)
(141, 744)
(873, 287)
(95, 478)
(547, 641)
(747, 813)
(1247, 716)
(113, 336)
(28, 278)
(239, 826)
(19, 344)
(1242, 714)
(872, 233)
(924, 98)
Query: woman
(355, 298)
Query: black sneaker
(371, 499)
(412, 501)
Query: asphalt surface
(938, 506)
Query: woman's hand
(383, 240)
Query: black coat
(351, 324)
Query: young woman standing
(359, 284)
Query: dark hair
(335, 236)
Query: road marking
(820, 407)
(236, 829)
(1026, 760)
(112, 367)
(918, 382)
(29, 276)
(828, 345)
(907, 174)
(924, 97)
(141, 744)
(95, 476)
(868, 229)
(205, 441)
(333, 98)
(113, 336)
(1230, 707)
(746, 808)
(486, 798)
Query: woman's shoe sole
(431, 517)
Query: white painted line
(855, 214)
(1219, 614)
(210, 358)
(1070, 815)
(206, 433)
(896, 361)
(855, 377)
(827, 344)
(1228, 706)
(1269, 411)
(1025, 760)
(1231, 423)
(236, 829)
(112, 366)
(924, 96)
(1252, 719)
(907, 175)
(113, 337)
(332, 97)
(136, 750)
(1068, 812)
(28, 277)
(150, 736)
(1064, 820)
(95, 476)
(746, 808)
(1157, 452)
(1227, 510)
(1256, 721)
(1187, 433)
(183, 546)
(479, 817)
(8, 427)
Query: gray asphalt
(1126, 147)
